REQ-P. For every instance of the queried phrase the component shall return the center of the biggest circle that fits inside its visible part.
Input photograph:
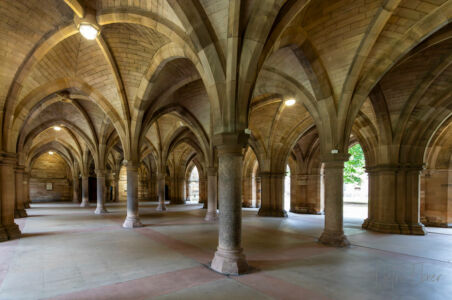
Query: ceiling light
(57, 128)
(290, 102)
(51, 152)
(88, 31)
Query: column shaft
(161, 192)
(8, 229)
(229, 257)
(394, 198)
(272, 185)
(20, 193)
(100, 209)
(85, 192)
(75, 189)
(211, 214)
(132, 220)
(333, 233)
(27, 189)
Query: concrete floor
(67, 252)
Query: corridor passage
(69, 253)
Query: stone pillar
(394, 200)
(132, 220)
(305, 195)
(272, 201)
(8, 229)
(100, 209)
(20, 193)
(116, 187)
(211, 214)
(161, 192)
(75, 189)
(27, 189)
(203, 191)
(177, 190)
(437, 200)
(333, 233)
(412, 219)
(85, 192)
(229, 257)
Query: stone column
(132, 220)
(211, 214)
(272, 201)
(116, 187)
(8, 229)
(333, 233)
(394, 200)
(20, 193)
(85, 192)
(27, 189)
(161, 192)
(305, 196)
(100, 209)
(412, 202)
(229, 257)
(203, 191)
(75, 189)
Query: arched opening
(49, 179)
(287, 189)
(122, 184)
(355, 184)
(193, 186)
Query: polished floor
(67, 252)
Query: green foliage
(354, 167)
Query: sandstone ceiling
(165, 76)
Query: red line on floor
(183, 248)
(147, 287)
(278, 288)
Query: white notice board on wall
(49, 186)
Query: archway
(356, 184)
(193, 186)
(49, 178)
(287, 189)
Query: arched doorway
(355, 184)
(193, 186)
(287, 189)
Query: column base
(27, 205)
(205, 205)
(161, 207)
(13, 231)
(229, 262)
(20, 213)
(84, 204)
(3, 234)
(211, 216)
(272, 213)
(334, 239)
(132, 222)
(414, 229)
(101, 211)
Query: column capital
(100, 172)
(272, 174)
(212, 171)
(130, 164)
(20, 169)
(334, 157)
(230, 142)
(396, 167)
(8, 158)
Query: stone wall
(50, 170)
